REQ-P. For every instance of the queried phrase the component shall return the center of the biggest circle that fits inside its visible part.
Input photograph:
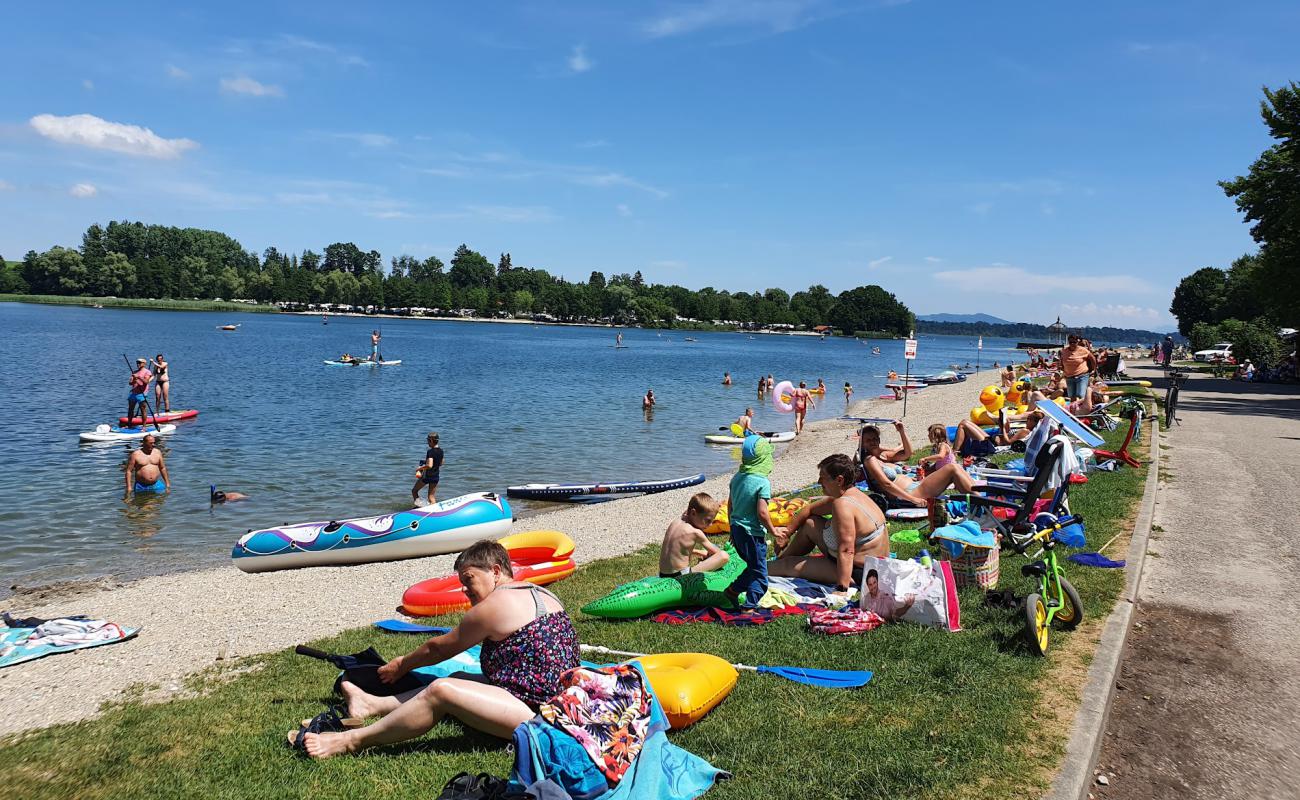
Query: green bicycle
(1056, 601)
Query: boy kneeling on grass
(750, 522)
(685, 538)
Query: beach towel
(1095, 560)
(725, 616)
(62, 635)
(954, 539)
(607, 711)
(843, 623)
(805, 592)
(906, 536)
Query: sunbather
(972, 440)
(884, 476)
(527, 641)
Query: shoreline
(193, 619)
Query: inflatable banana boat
(446, 527)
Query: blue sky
(1021, 159)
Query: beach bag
(933, 586)
(976, 566)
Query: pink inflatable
(782, 396)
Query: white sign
(909, 349)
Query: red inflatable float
(538, 557)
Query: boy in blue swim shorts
(750, 522)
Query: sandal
(328, 721)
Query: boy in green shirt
(750, 523)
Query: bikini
(528, 663)
(832, 542)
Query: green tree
(597, 280)
(469, 269)
(1199, 298)
(112, 275)
(229, 285)
(870, 308)
(340, 287)
(503, 264)
(521, 302)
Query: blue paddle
(828, 678)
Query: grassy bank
(137, 302)
(967, 715)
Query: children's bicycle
(1056, 601)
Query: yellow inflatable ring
(688, 685)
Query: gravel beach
(192, 620)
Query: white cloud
(1015, 281)
(389, 214)
(88, 85)
(176, 73)
(616, 179)
(592, 144)
(6, 186)
(287, 42)
(367, 139)
(876, 262)
(776, 16)
(1110, 311)
(243, 84)
(623, 210)
(512, 213)
(579, 61)
(933, 259)
(668, 263)
(980, 208)
(83, 190)
(88, 130)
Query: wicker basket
(976, 566)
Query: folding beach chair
(1028, 511)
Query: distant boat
(230, 327)
(98, 305)
(691, 339)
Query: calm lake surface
(513, 404)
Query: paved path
(1208, 698)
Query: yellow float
(688, 685)
(780, 509)
(991, 401)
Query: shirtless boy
(145, 470)
(685, 538)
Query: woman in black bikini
(162, 392)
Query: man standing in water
(138, 395)
(146, 471)
(374, 345)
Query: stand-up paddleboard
(105, 433)
(947, 376)
(775, 437)
(1070, 423)
(364, 363)
(166, 416)
(446, 527)
(570, 492)
(907, 387)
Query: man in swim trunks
(648, 402)
(146, 471)
(746, 423)
(685, 538)
(138, 394)
(374, 345)
(802, 399)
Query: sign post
(909, 353)
(979, 352)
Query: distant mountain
(987, 318)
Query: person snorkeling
(216, 495)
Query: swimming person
(145, 469)
(428, 473)
(848, 392)
(855, 530)
(138, 394)
(821, 386)
(750, 522)
(726, 379)
(216, 495)
(527, 641)
(374, 346)
(685, 538)
(618, 339)
(162, 395)
(648, 402)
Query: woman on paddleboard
(162, 401)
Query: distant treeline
(134, 260)
(1039, 333)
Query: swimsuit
(528, 663)
(679, 573)
(156, 486)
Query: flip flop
(328, 721)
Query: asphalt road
(1208, 698)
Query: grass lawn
(138, 302)
(964, 715)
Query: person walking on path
(146, 471)
(138, 394)
(1077, 364)
(428, 473)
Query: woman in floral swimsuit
(527, 641)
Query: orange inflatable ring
(539, 557)
(688, 685)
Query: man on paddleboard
(139, 391)
(146, 471)
(374, 345)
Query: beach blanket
(726, 616)
(803, 592)
(607, 711)
(63, 635)
(843, 622)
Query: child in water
(750, 521)
(848, 392)
(685, 538)
(940, 448)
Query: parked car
(1220, 352)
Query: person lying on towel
(527, 641)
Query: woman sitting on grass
(900, 490)
(527, 641)
(856, 530)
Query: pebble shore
(192, 620)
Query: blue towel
(956, 538)
(1095, 560)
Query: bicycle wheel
(1071, 612)
(1171, 399)
(1036, 627)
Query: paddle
(145, 414)
(828, 678)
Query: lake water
(513, 404)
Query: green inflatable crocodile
(648, 595)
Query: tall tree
(503, 264)
(1199, 298)
(469, 269)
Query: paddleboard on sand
(576, 492)
(104, 433)
(166, 416)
